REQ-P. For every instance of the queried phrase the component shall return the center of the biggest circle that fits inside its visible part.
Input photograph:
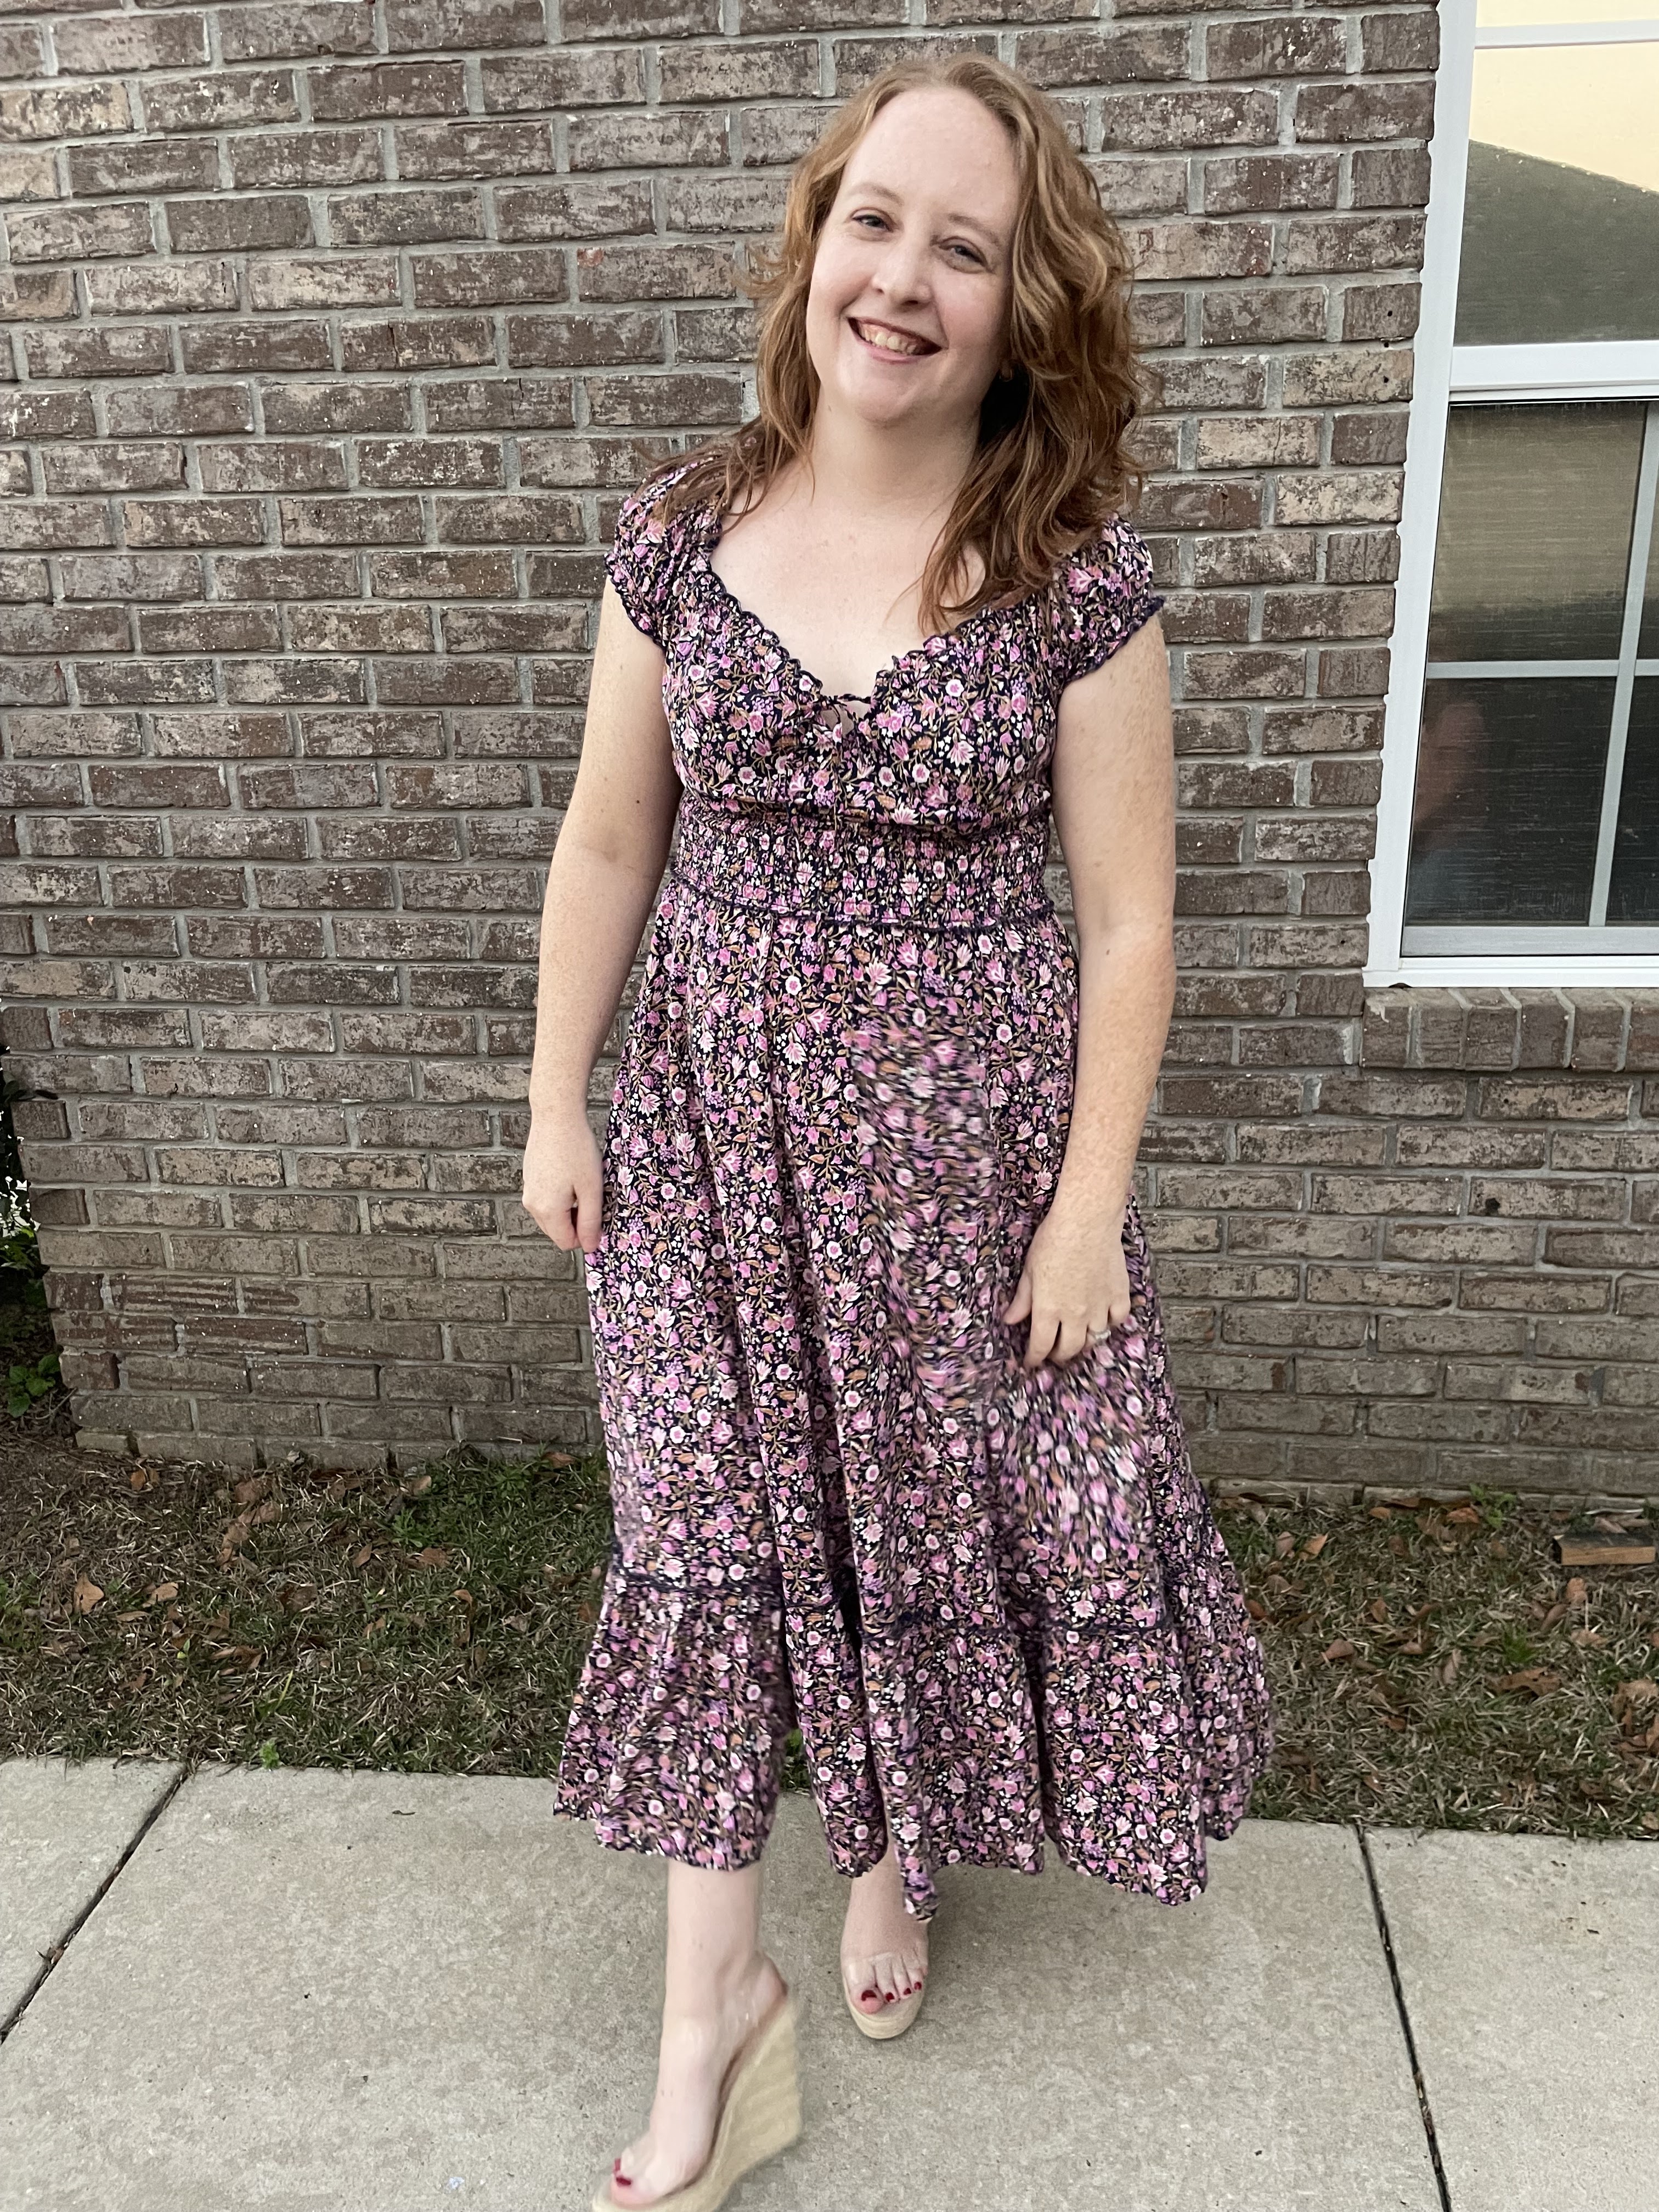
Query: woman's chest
(959, 725)
(843, 613)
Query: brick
(1113, 54)
(428, 150)
(420, 25)
(90, 45)
(788, 69)
(248, 222)
(418, 216)
(606, 77)
(1279, 314)
(219, 101)
(79, 234)
(632, 141)
(202, 410)
(1341, 114)
(1276, 46)
(585, 208)
(154, 165)
(1251, 183)
(1192, 117)
(62, 111)
(352, 95)
(161, 288)
(300, 158)
(487, 279)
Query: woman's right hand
(563, 1180)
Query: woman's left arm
(1114, 804)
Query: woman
(895, 1458)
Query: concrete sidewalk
(371, 1993)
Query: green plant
(26, 1385)
(19, 1246)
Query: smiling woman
(894, 1456)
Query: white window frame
(1519, 954)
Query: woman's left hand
(1075, 1279)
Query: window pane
(1633, 892)
(1508, 799)
(1561, 210)
(1490, 15)
(1647, 645)
(1536, 506)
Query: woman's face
(907, 312)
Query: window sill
(1493, 1027)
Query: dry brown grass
(1431, 1666)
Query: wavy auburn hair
(1053, 462)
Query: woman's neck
(908, 475)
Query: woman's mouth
(896, 345)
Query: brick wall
(335, 331)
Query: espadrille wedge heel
(760, 2116)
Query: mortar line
(1424, 2108)
(49, 1959)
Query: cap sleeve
(644, 560)
(1106, 595)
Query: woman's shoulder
(647, 548)
(1104, 593)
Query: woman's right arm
(604, 876)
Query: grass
(1431, 1664)
(295, 1619)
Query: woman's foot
(883, 1948)
(697, 2046)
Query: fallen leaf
(419, 1488)
(1253, 1606)
(1283, 1544)
(88, 1595)
(1589, 1639)
(1631, 1698)
(161, 1592)
(142, 1478)
(1378, 1608)
(1528, 1681)
(1450, 1665)
(125, 1617)
(1340, 1649)
(249, 1492)
(1578, 1590)
(362, 1558)
(1382, 1512)
(434, 1556)
(1557, 1611)
(1468, 1516)
(1315, 1546)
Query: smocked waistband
(850, 868)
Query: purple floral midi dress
(994, 1602)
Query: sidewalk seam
(1424, 2108)
(49, 1959)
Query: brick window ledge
(1496, 1028)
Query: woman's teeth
(888, 341)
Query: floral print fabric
(996, 1602)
